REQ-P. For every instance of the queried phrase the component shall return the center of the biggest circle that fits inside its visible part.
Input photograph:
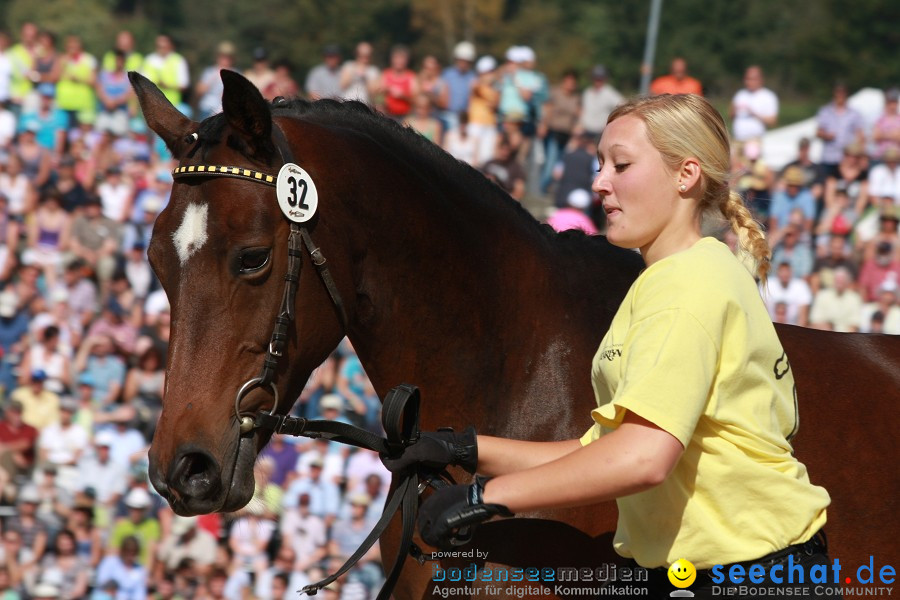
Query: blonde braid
(750, 234)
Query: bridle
(285, 314)
(400, 408)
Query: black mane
(426, 156)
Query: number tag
(297, 195)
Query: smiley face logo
(682, 573)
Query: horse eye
(253, 260)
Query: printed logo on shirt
(612, 352)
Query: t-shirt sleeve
(670, 362)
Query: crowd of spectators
(84, 325)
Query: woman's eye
(254, 260)
(621, 167)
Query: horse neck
(467, 283)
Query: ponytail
(751, 238)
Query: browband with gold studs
(222, 171)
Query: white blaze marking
(191, 234)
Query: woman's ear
(688, 175)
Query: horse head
(220, 250)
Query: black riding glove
(436, 450)
(449, 516)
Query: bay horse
(449, 284)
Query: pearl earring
(682, 188)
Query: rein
(400, 408)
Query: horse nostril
(194, 474)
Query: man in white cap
(105, 476)
(187, 540)
(459, 78)
(139, 523)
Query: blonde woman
(695, 397)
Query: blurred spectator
(34, 159)
(838, 217)
(505, 170)
(96, 239)
(77, 77)
(422, 119)
(518, 88)
(794, 248)
(814, 177)
(460, 78)
(209, 87)
(884, 178)
(187, 541)
(40, 407)
(883, 268)
(886, 131)
(124, 43)
(19, 195)
(31, 531)
(249, 537)
(260, 72)
(79, 292)
(47, 66)
(13, 559)
(576, 168)
(324, 494)
(96, 357)
(361, 465)
(22, 56)
(755, 179)
(460, 143)
(883, 314)
(837, 308)
(116, 194)
(18, 441)
(104, 476)
(677, 81)
(283, 84)
(284, 456)
(754, 108)
(432, 84)
(573, 215)
(6, 68)
(88, 539)
(113, 94)
(793, 197)
(281, 581)
(559, 119)
(9, 241)
(144, 386)
(597, 101)
(168, 70)
(48, 123)
(62, 567)
(140, 525)
(126, 569)
(852, 175)
(48, 236)
(837, 256)
(348, 534)
(400, 86)
(303, 532)
(13, 327)
(838, 126)
(149, 202)
(324, 80)
(794, 293)
(62, 443)
(359, 77)
(72, 193)
(482, 109)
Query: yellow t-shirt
(693, 350)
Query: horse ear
(161, 116)
(248, 113)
